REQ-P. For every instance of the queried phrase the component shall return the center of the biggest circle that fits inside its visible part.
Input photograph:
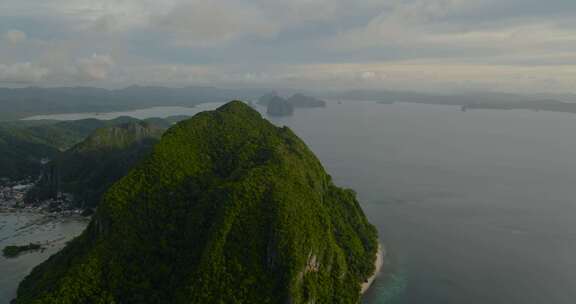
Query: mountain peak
(227, 208)
(234, 105)
(237, 107)
(119, 136)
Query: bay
(473, 207)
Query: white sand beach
(378, 266)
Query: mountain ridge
(88, 168)
(228, 208)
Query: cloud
(15, 36)
(204, 23)
(95, 67)
(191, 22)
(188, 22)
(323, 43)
(405, 23)
(460, 30)
(24, 72)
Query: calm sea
(23, 228)
(473, 207)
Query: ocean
(472, 207)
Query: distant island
(470, 101)
(297, 100)
(534, 105)
(14, 251)
(226, 208)
(303, 101)
(278, 106)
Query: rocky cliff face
(88, 169)
(227, 208)
(278, 106)
(118, 137)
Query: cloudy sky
(438, 45)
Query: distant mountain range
(297, 100)
(24, 102)
(476, 100)
(280, 106)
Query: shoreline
(378, 263)
(41, 211)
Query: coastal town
(13, 199)
(12, 193)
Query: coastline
(378, 263)
(69, 214)
(24, 226)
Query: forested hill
(21, 154)
(90, 167)
(227, 208)
(25, 144)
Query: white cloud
(405, 23)
(90, 15)
(428, 11)
(96, 67)
(411, 44)
(204, 23)
(435, 76)
(191, 22)
(15, 36)
(24, 72)
(525, 37)
(439, 31)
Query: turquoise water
(473, 207)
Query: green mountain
(23, 144)
(118, 137)
(88, 169)
(228, 208)
(21, 154)
(65, 134)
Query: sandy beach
(378, 266)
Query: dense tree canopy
(227, 208)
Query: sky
(422, 45)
